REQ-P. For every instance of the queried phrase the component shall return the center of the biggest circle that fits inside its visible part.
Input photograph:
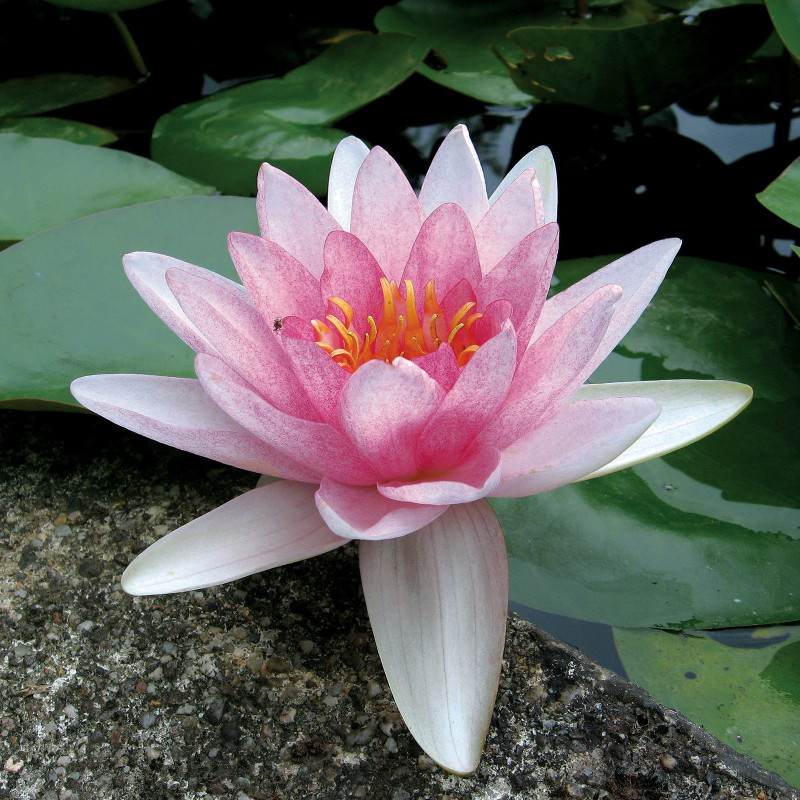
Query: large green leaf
(22, 96)
(708, 536)
(786, 17)
(782, 196)
(224, 138)
(54, 128)
(744, 689)
(633, 60)
(47, 182)
(462, 35)
(68, 309)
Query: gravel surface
(271, 687)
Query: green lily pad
(54, 128)
(708, 536)
(69, 310)
(47, 182)
(633, 60)
(22, 96)
(745, 692)
(225, 138)
(782, 196)
(786, 18)
(463, 34)
(104, 6)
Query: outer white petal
(269, 526)
(347, 160)
(540, 159)
(456, 176)
(437, 602)
(690, 410)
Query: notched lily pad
(69, 310)
(224, 138)
(23, 96)
(708, 536)
(632, 60)
(741, 686)
(54, 128)
(47, 182)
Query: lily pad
(47, 182)
(742, 686)
(23, 96)
(54, 128)
(782, 196)
(708, 536)
(462, 35)
(633, 60)
(68, 309)
(224, 138)
(786, 18)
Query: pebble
(669, 763)
(63, 530)
(147, 719)
(215, 711)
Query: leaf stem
(130, 44)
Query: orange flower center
(400, 331)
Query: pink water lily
(395, 360)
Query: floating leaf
(224, 138)
(69, 310)
(741, 686)
(633, 61)
(462, 34)
(786, 18)
(47, 182)
(23, 96)
(54, 128)
(708, 536)
(782, 196)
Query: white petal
(437, 602)
(456, 176)
(690, 410)
(347, 160)
(540, 159)
(273, 525)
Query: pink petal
(279, 284)
(353, 275)
(177, 412)
(267, 527)
(383, 409)
(551, 369)
(386, 214)
(479, 391)
(444, 252)
(242, 339)
(491, 323)
(462, 484)
(441, 365)
(347, 160)
(540, 160)
(639, 274)
(437, 602)
(578, 439)
(517, 212)
(360, 512)
(523, 276)
(291, 217)
(319, 375)
(147, 272)
(317, 446)
(456, 176)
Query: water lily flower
(396, 361)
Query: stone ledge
(271, 687)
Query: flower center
(400, 331)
